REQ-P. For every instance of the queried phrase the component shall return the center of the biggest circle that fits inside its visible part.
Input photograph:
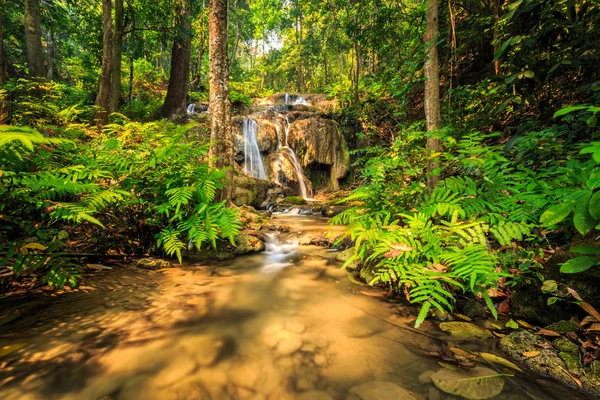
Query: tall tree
(220, 103)
(3, 59)
(117, 50)
(432, 92)
(33, 35)
(102, 100)
(50, 53)
(179, 77)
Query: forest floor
(291, 326)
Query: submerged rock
(529, 350)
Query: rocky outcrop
(322, 149)
(250, 191)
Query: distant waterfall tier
(253, 163)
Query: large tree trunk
(220, 104)
(3, 59)
(496, 19)
(102, 100)
(179, 77)
(432, 93)
(33, 35)
(117, 50)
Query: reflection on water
(225, 331)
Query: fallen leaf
(573, 293)
(448, 366)
(547, 332)
(6, 350)
(440, 267)
(462, 353)
(524, 324)
(463, 317)
(545, 345)
(530, 354)
(477, 383)
(504, 306)
(464, 330)
(588, 320)
(571, 375)
(393, 253)
(590, 310)
(595, 327)
(499, 360)
(401, 247)
(36, 246)
(498, 334)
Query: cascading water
(191, 109)
(253, 164)
(278, 254)
(295, 162)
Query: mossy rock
(529, 303)
(524, 347)
(563, 326)
(294, 201)
(153, 264)
(471, 308)
(569, 353)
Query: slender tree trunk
(50, 54)
(3, 59)
(220, 104)
(239, 26)
(179, 77)
(33, 35)
(357, 61)
(102, 100)
(496, 18)
(117, 50)
(432, 92)
(131, 52)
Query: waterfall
(253, 164)
(294, 160)
(191, 109)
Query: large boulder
(322, 150)
(250, 191)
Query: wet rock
(379, 390)
(425, 377)
(563, 326)
(153, 264)
(250, 191)
(245, 376)
(295, 326)
(345, 256)
(332, 211)
(320, 360)
(529, 303)
(314, 395)
(519, 345)
(471, 308)
(433, 394)
(293, 201)
(569, 353)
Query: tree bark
(432, 93)
(131, 54)
(496, 18)
(220, 103)
(3, 59)
(117, 50)
(103, 98)
(179, 77)
(358, 60)
(33, 35)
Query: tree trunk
(496, 18)
(50, 54)
(33, 35)
(131, 54)
(102, 100)
(3, 59)
(179, 77)
(432, 93)
(220, 104)
(358, 60)
(117, 50)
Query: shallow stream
(286, 324)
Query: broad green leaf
(578, 264)
(585, 250)
(464, 330)
(476, 383)
(502, 49)
(552, 300)
(568, 110)
(423, 313)
(529, 74)
(594, 205)
(556, 213)
(583, 220)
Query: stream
(283, 324)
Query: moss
(593, 370)
(563, 326)
(345, 255)
(294, 201)
(565, 345)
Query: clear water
(273, 326)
